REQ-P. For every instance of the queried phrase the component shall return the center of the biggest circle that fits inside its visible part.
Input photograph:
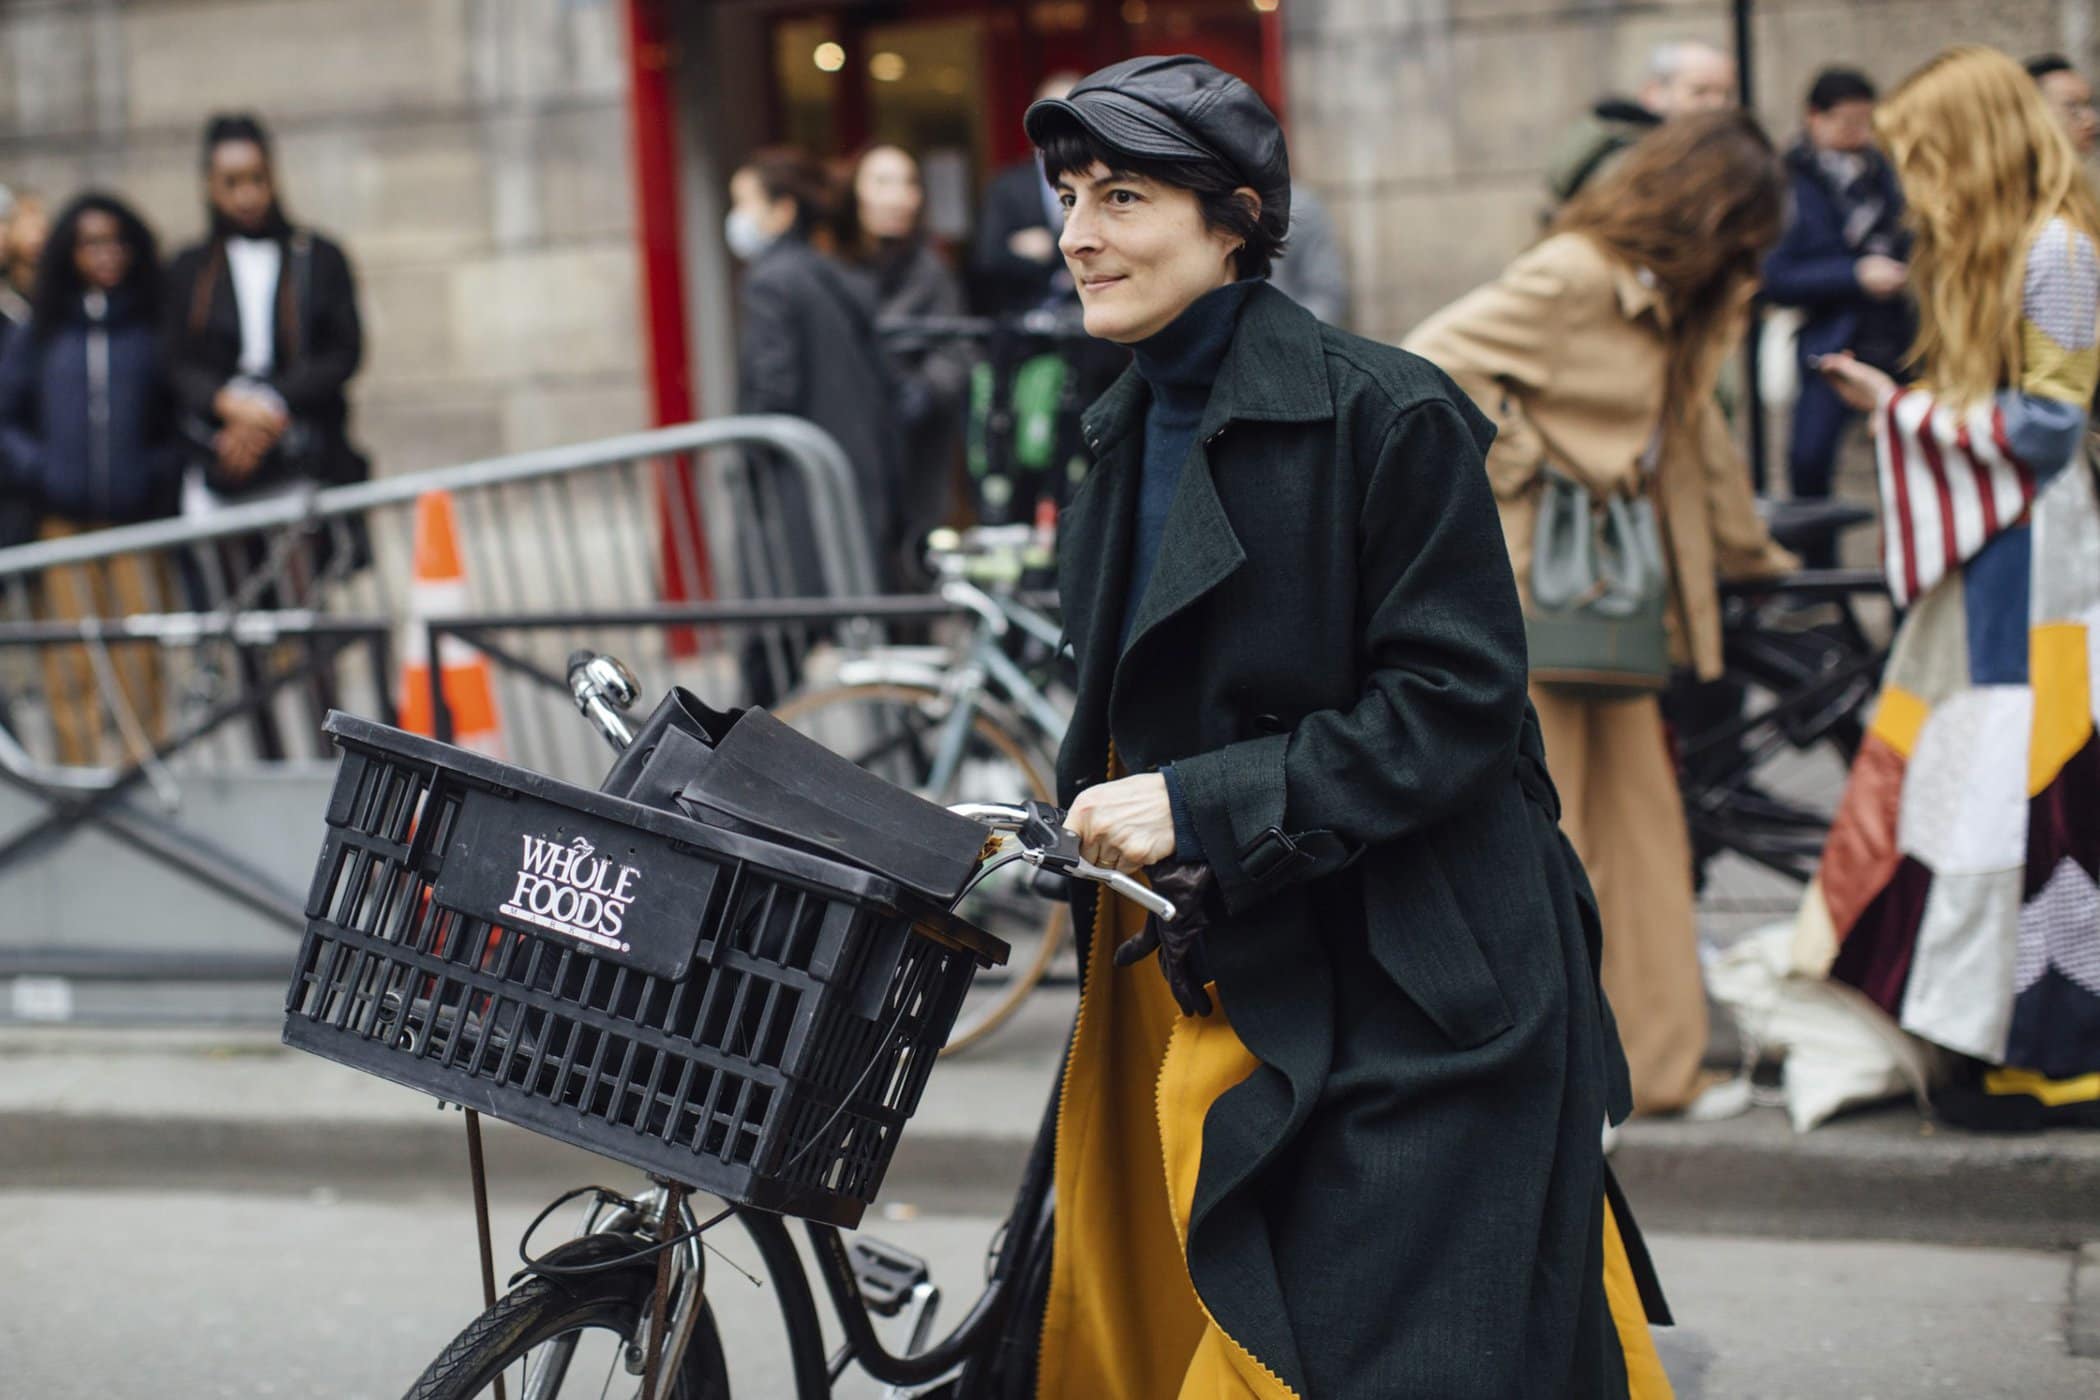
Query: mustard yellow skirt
(1123, 1320)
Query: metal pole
(481, 1219)
(1753, 388)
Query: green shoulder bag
(1598, 589)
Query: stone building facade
(475, 155)
(1427, 124)
(472, 155)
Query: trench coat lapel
(1274, 372)
(1198, 550)
(1093, 542)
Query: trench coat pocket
(1441, 968)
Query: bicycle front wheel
(912, 736)
(572, 1337)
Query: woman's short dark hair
(2043, 64)
(1834, 86)
(226, 128)
(58, 285)
(786, 172)
(1070, 148)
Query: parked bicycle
(1802, 668)
(978, 720)
(767, 1046)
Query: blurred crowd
(1925, 258)
(135, 389)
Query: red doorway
(949, 79)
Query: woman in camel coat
(1595, 353)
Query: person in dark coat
(1013, 259)
(23, 230)
(1684, 77)
(87, 431)
(1842, 261)
(807, 347)
(263, 334)
(882, 236)
(1372, 1055)
(2069, 95)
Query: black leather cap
(1179, 108)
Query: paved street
(261, 1292)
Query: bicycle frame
(1806, 706)
(603, 688)
(642, 1218)
(985, 665)
(814, 1373)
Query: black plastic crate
(750, 1019)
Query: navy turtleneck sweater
(1179, 365)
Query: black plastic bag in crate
(764, 776)
(745, 770)
(668, 750)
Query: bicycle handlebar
(604, 687)
(1047, 845)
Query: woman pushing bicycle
(1348, 1145)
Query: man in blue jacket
(1841, 261)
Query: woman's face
(239, 185)
(887, 189)
(1139, 251)
(99, 253)
(747, 196)
(2070, 96)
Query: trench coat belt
(1275, 855)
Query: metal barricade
(144, 667)
(669, 515)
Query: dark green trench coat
(1406, 1199)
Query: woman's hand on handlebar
(1126, 825)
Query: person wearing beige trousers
(1596, 354)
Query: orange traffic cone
(439, 590)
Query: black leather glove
(1179, 941)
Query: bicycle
(1800, 643)
(981, 719)
(628, 1293)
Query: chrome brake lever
(1133, 890)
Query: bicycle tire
(542, 1309)
(1006, 735)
